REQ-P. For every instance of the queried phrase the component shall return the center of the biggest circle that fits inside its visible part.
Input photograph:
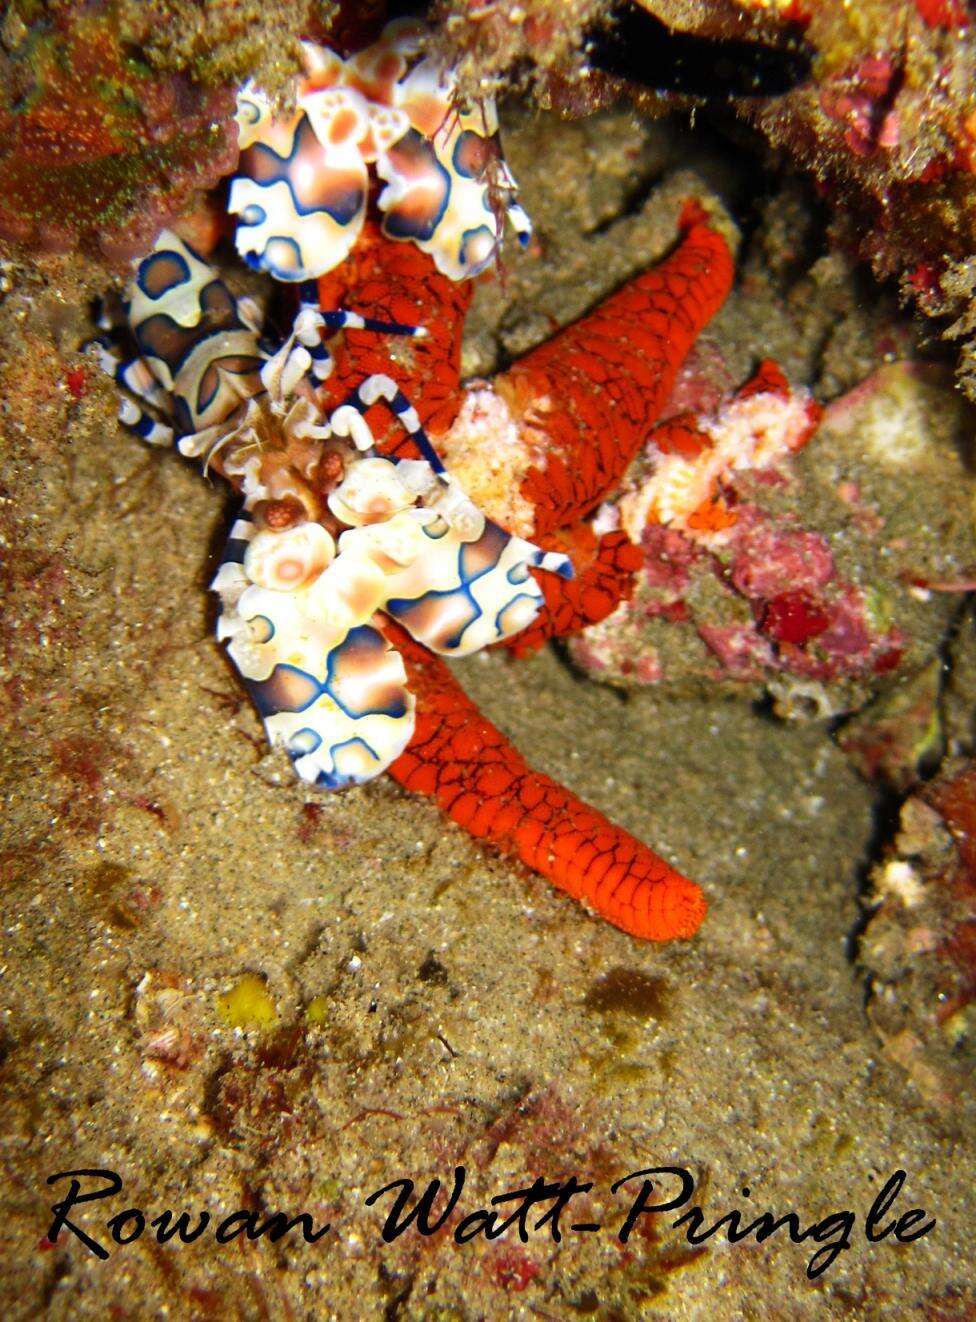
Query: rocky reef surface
(874, 101)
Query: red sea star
(581, 405)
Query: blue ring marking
(351, 743)
(182, 416)
(338, 780)
(271, 628)
(204, 404)
(362, 633)
(251, 107)
(163, 255)
(419, 437)
(435, 531)
(496, 538)
(468, 237)
(234, 551)
(259, 689)
(144, 425)
(402, 607)
(522, 596)
(346, 206)
(415, 145)
(338, 319)
(196, 335)
(252, 215)
(263, 262)
(463, 140)
(303, 742)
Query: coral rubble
(919, 947)
(812, 566)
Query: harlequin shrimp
(302, 189)
(330, 532)
(357, 549)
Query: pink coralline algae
(95, 147)
(771, 557)
(770, 565)
(858, 100)
(887, 126)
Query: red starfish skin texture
(588, 396)
(585, 401)
(605, 569)
(473, 773)
(612, 371)
(768, 377)
(681, 435)
(397, 282)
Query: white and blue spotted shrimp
(331, 534)
(302, 188)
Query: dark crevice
(403, 1289)
(884, 823)
(886, 812)
(640, 48)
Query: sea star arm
(585, 399)
(473, 773)
(399, 283)
(605, 572)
